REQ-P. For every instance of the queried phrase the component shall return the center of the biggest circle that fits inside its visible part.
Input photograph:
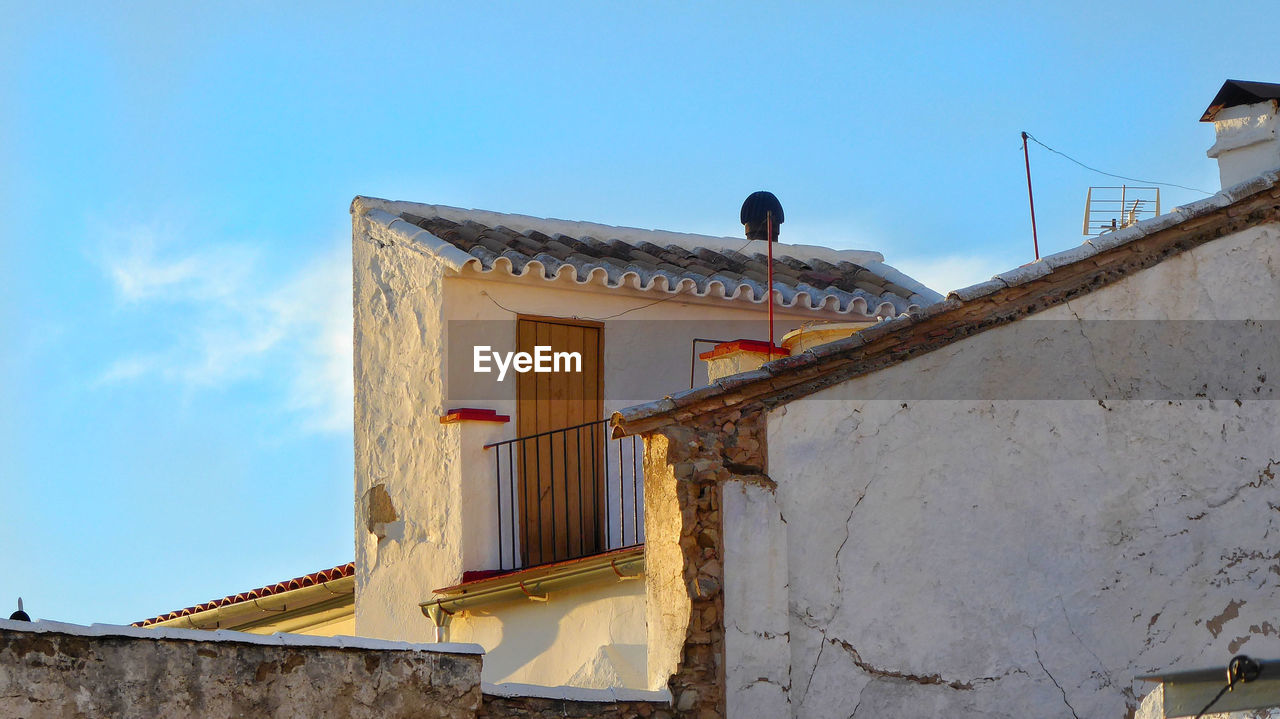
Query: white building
(499, 512)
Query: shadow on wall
(592, 639)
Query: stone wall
(55, 671)
(516, 700)
(686, 471)
(525, 707)
(51, 671)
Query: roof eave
(238, 614)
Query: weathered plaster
(757, 635)
(589, 636)
(1246, 144)
(735, 362)
(667, 603)
(406, 461)
(1031, 557)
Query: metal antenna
(1026, 156)
(1107, 209)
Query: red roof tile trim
(473, 415)
(760, 346)
(307, 580)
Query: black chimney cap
(1240, 92)
(756, 209)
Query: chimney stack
(1245, 116)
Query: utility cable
(1108, 174)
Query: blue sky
(175, 309)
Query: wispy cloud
(242, 319)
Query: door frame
(531, 515)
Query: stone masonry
(55, 674)
(52, 671)
(686, 467)
(496, 707)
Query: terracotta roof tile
(810, 277)
(325, 575)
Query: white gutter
(253, 610)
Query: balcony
(567, 493)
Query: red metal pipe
(768, 235)
(1035, 241)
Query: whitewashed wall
(408, 525)
(437, 479)
(1023, 558)
(589, 636)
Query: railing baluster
(635, 506)
(622, 501)
(537, 491)
(564, 464)
(497, 496)
(582, 509)
(515, 510)
(604, 482)
(596, 539)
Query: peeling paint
(1232, 611)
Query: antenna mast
(1026, 156)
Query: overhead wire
(1110, 174)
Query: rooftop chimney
(757, 208)
(1245, 118)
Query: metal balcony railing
(567, 493)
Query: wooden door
(561, 486)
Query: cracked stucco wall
(975, 557)
(757, 636)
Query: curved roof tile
(307, 580)
(816, 278)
